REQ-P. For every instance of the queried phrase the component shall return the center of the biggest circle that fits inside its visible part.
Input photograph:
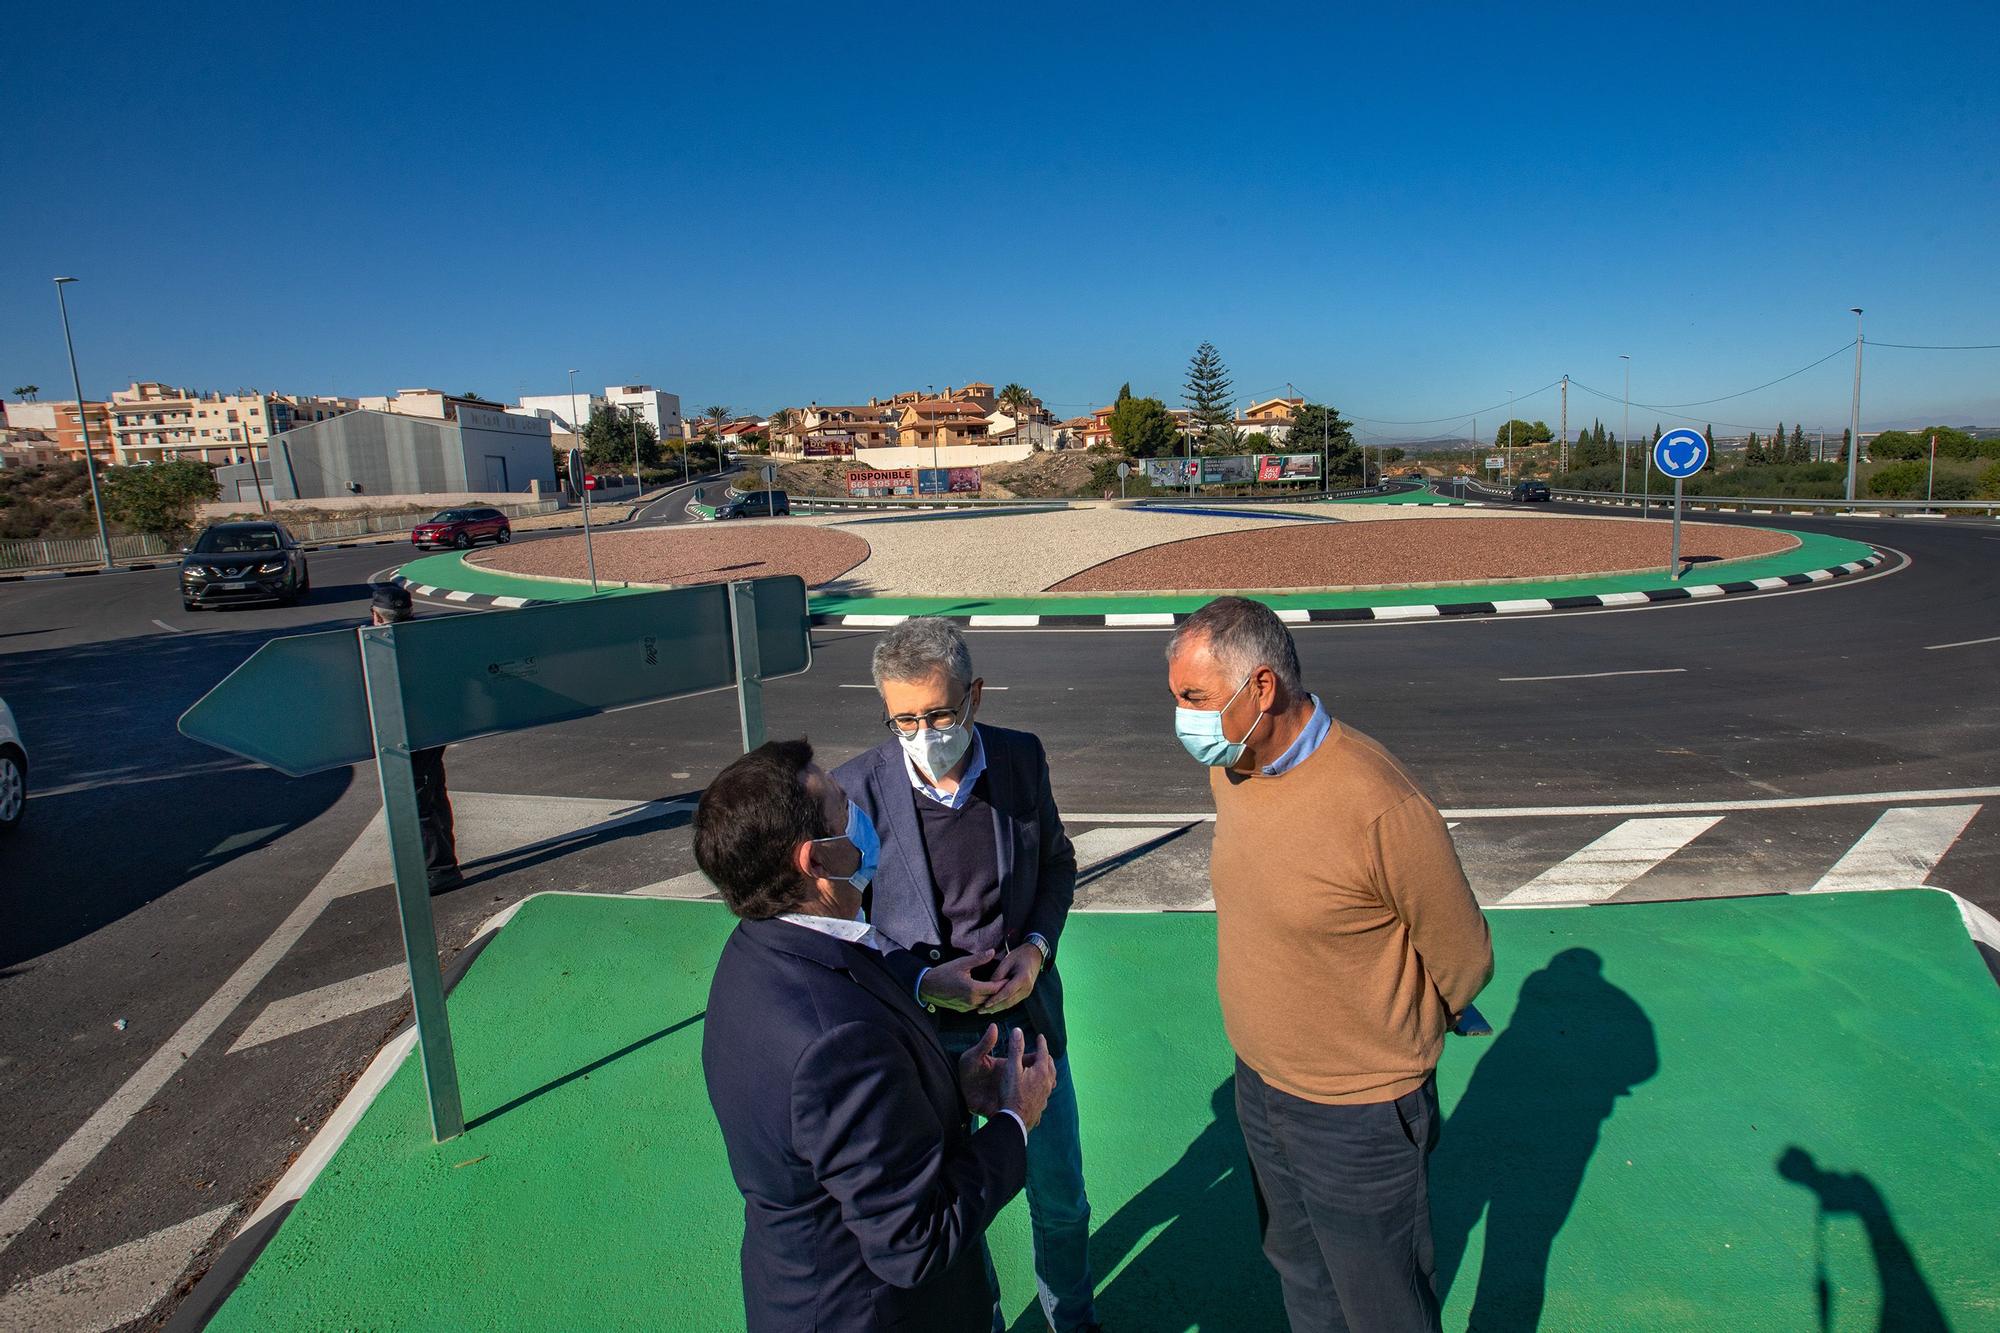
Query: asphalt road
(164, 906)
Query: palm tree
(781, 421)
(1014, 401)
(26, 392)
(718, 414)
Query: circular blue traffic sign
(1680, 452)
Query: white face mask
(937, 752)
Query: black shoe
(444, 881)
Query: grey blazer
(1037, 863)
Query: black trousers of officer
(1343, 1197)
(434, 812)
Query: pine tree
(1124, 392)
(1799, 451)
(1707, 433)
(1206, 394)
(1753, 451)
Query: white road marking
(171, 629)
(510, 601)
(1295, 617)
(1705, 590)
(1769, 583)
(492, 824)
(1403, 612)
(694, 884)
(458, 597)
(487, 824)
(1002, 622)
(1623, 598)
(871, 622)
(1600, 675)
(1962, 643)
(1598, 871)
(1102, 844)
(297, 1013)
(113, 1288)
(1648, 808)
(1900, 850)
(1524, 604)
(1122, 618)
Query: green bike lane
(1815, 552)
(1639, 1147)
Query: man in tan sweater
(1348, 943)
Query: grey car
(243, 562)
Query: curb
(1291, 616)
(1323, 615)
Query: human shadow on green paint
(1907, 1300)
(1523, 1132)
(1204, 1270)
(584, 1071)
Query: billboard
(1231, 470)
(1288, 467)
(1495, 461)
(829, 444)
(1171, 471)
(881, 483)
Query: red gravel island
(1456, 550)
(687, 555)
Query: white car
(13, 771)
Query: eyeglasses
(938, 719)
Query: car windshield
(453, 516)
(237, 541)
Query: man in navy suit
(976, 880)
(866, 1193)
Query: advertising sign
(881, 483)
(829, 444)
(964, 480)
(1233, 470)
(1495, 461)
(1287, 467)
(1171, 471)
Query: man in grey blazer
(975, 881)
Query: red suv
(462, 528)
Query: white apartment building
(151, 422)
(662, 411)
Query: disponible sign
(890, 483)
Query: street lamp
(1510, 436)
(83, 425)
(1625, 438)
(1854, 421)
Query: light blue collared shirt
(1310, 736)
(956, 799)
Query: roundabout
(1130, 565)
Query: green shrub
(1899, 481)
(1988, 485)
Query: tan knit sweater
(1346, 932)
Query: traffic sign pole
(1679, 454)
(382, 675)
(749, 663)
(1674, 562)
(589, 551)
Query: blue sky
(1409, 214)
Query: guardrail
(1766, 504)
(55, 552)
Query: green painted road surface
(1693, 1115)
(1815, 551)
(1423, 497)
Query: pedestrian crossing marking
(1900, 850)
(296, 1013)
(1607, 865)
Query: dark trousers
(434, 812)
(1343, 1198)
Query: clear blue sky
(1406, 213)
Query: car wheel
(463, 541)
(187, 605)
(13, 788)
(305, 581)
(504, 536)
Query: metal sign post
(1124, 471)
(1680, 453)
(749, 663)
(589, 550)
(383, 681)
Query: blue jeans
(1058, 1208)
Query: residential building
(660, 410)
(837, 428)
(475, 450)
(1273, 416)
(151, 422)
(29, 448)
(936, 423)
(63, 425)
(433, 403)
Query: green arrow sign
(298, 705)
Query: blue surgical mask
(1200, 732)
(860, 832)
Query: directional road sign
(1680, 453)
(770, 473)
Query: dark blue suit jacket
(1037, 863)
(865, 1193)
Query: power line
(1940, 347)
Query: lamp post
(1854, 419)
(1510, 435)
(1625, 435)
(639, 485)
(83, 425)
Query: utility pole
(83, 425)
(1854, 420)
(639, 485)
(1625, 436)
(1510, 435)
(1562, 450)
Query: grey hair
(919, 648)
(1242, 635)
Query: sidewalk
(1620, 1156)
